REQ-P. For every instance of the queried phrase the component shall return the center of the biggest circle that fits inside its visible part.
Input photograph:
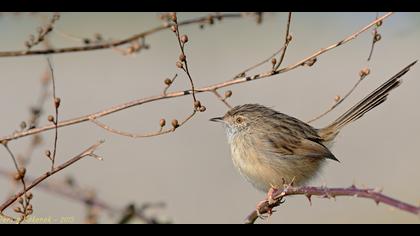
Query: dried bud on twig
(29, 195)
(51, 118)
(173, 16)
(311, 62)
(57, 102)
(184, 38)
(364, 72)
(17, 210)
(377, 37)
(337, 98)
(168, 82)
(379, 23)
(48, 153)
(182, 57)
(23, 125)
(173, 28)
(179, 64)
(228, 94)
(273, 61)
(289, 38)
(162, 122)
(175, 123)
(197, 104)
(202, 109)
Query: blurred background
(191, 170)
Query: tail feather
(372, 100)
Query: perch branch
(329, 193)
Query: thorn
(378, 190)
(309, 197)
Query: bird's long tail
(372, 100)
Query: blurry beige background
(191, 169)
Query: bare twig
(88, 152)
(287, 40)
(168, 83)
(182, 40)
(329, 193)
(80, 196)
(210, 88)
(20, 172)
(341, 42)
(42, 33)
(376, 37)
(243, 73)
(56, 102)
(151, 134)
(115, 43)
(223, 99)
(338, 100)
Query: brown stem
(89, 151)
(286, 42)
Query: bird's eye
(239, 120)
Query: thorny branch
(324, 192)
(88, 152)
(210, 88)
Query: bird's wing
(294, 137)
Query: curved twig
(151, 134)
(340, 100)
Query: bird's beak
(217, 119)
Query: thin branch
(88, 152)
(223, 99)
(79, 196)
(243, 73)
(115, 43)
(151, 134)
(168, 83)
(210, 88)
(287, 40)
(56, 102)
(329, 193)
(339, 100)
(376, 37)
(182, 57)
(20, 175)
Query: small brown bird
(270, 148)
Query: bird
(270, 148)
